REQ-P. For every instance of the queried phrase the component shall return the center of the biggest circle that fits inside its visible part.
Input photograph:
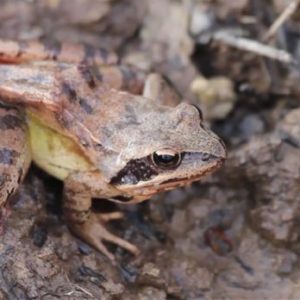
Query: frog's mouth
(144, 190)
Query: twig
(78, 288)
(83, 290)
(255, 47)
(289, 10)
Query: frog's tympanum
(106, 130)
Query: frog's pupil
(166, 160)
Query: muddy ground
(235, 234)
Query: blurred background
(234, 235)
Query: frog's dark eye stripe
(146, 168)
(135, 171)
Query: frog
(105, 129)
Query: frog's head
(160, 148)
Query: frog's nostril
(205, 156)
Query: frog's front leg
(14, 155)
(79, 189)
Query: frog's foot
(93, 232)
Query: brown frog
(102, 128)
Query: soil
(235, 234)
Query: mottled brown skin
(14, 154)
(91, 127)
(27, 51)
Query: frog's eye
(166, 160)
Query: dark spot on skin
(128, 77)
(135, 171)
(3, 179)
(85, 106)
(10, 122)
(23, 45)
(89, 53)
(103, 54)
(122, 198)
(87, 75)
(73, 97)
(52, 48)
(69, 92)
(7, 156)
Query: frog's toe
(96, 243)
(106, 217)
(109, 237)
(94, 233)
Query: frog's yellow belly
(56, 154)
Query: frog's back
(69, 107)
